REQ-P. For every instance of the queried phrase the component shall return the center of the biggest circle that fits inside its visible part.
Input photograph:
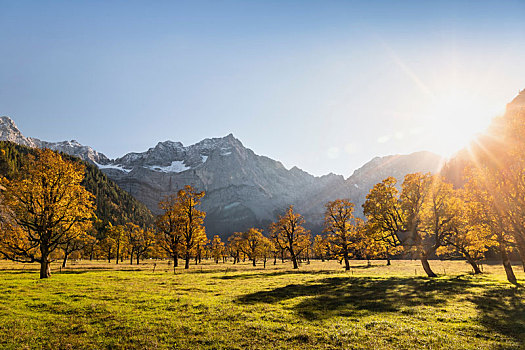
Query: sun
(453, 119)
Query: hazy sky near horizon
(322, 85)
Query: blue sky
(323, 85)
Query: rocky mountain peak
(10, 132)
(170, 156)
(6, 122)
(169, 145)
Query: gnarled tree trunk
(507, 264)
(45, 268)
(472, 262)
(347, 263)
(426, 266)
(187, 263)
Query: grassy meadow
(97, 305)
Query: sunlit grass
(225, 306)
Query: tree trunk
(506, 264)
(118, 251)
(347, 263)
(138, 258)
(294, 258)
(253, 261)
(472, 262)
(45, 268)
(64, 262)
(131, 258)
(187, 264)
(426, 266)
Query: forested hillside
(113, 204)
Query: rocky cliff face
(242, 189)
(10, 132)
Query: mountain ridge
(243, 189)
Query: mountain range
(243, 189)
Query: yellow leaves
(47, 206)
(288, 231)
(338, 216)
(182, 223)
(217, 248)
(384, 213)
(321, 246)
(345, 230)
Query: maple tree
(469, 236)
(192, 222)
(170, 226)
(289, 234)
(396, 218)
(266, 249)
(118, 239)
(321, 247)
(251, 243)
(343, 228)
(217, 248)
(233, 246)
(43, 208)
(139, 241)
(487, 189)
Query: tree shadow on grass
(273, 274)
(71, 272)
(502, 309)
(18, 271)
(353, 296)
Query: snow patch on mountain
(112, 166)
(177, 166)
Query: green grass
(97, 305)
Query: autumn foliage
(44, 208)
